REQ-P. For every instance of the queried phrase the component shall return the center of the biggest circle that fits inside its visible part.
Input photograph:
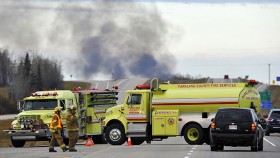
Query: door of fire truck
(136, 117)
(135, 108)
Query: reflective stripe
(99, 111)
(196, 101)
(59, 124)
(136, 117)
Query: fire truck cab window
(44, 104)
(134, 99)
(62, 104)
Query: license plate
(232, 127)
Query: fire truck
(37, 110)
(158, 111)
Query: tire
(100, 139)
(137, 141)
(206, 137)
(254, 147)
(193, 134)
(267, 132)
(260, 146)
(115, 134)
(18, 143)
(220, 147)
(65, 141)
(214, 148)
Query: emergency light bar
(142, 87)
(116, 87)
(44, 94)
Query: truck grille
(32, 117)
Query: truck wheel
(137, 141)
(193, 134)
(65, 141)
(254, 146)
(115, 134)
(260, 147)
(99, 139)
(267, 132)
(18, 143)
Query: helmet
(56, 109)
(72, 107)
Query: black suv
(236, 127)
(273, 122)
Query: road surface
(174, 147)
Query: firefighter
(72, 128)
(55, 128)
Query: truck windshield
(48, 104)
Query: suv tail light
(212, 125)
(270, 119)
(253, 127)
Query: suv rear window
(275, 114)
(236, 115)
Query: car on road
(273, 122)
(236, 127)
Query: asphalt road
(170, 148)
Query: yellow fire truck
(32, 123)
(156, 112)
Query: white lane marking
(190, 152)
(269, 142)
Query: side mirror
(213, 119)
(20, 104)
(261, 121)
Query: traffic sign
(266, 95)
(266, 105)
(277, 78)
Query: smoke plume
(114, 38)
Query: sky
(158, 38)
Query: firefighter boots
(72, 150)
(52, 150)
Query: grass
(5, 141)
(69, 85)
(4, 92)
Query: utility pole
(268, 74)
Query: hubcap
(193, 134)
(115, 134)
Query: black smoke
(118, 38)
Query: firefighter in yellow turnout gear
(72, 128)
(55, 128)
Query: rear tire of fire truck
(18, 143)
(115, 134)
(137, 140)
(193, 134)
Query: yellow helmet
(72, 107)
(57, 109)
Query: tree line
(26, 75)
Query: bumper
(41, 134)
(273, 128)
(233, 139)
